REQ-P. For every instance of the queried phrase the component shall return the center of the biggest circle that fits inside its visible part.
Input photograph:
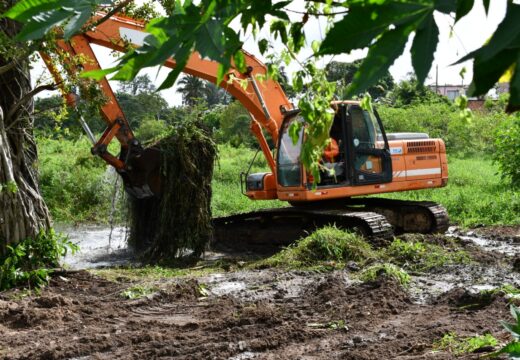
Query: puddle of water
(94, 247)
(228, 287)
(503, 247)
(244, 356)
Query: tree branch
(24, 99)
(7, 67)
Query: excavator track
(407, 216)
(282, 226)
(371, 217)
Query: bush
(150, 129)
(507, 155)
(328, 244)
(29, 262)
(441, 120)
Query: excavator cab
(363, 155)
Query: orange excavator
(360, 160)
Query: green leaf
(515, 312)
(76, 22)
(210, 40)
(463, 8)
(262, 46)
(26, 9)
(513, 349)
(41, 24)
(297, 36)
(365, 22)
(221, 72)
(445, 6)
(315, 46)
(486, 6)
(98, 74)
(278, 29)
(506, 34)
(380, 57)
(424, 46)
(240, 61)
(12, 187)
(487, 72)
(514, 329)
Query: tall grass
(227, 196)
(75, 185)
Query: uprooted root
(178, 223)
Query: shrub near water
(328, 244)
(29, 262)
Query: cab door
(367, 147)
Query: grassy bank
(78, 188)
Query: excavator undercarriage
(375, 218)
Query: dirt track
(261, 314)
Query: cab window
(289, 168)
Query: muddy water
(97, 251)
(99, 247)
(509, 246)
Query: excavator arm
(265, 100)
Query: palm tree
(192, 88)
(215, 95)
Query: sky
(455, 42)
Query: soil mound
(466, 300)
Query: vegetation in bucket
(178, 223)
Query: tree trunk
(23, 212)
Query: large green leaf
(505, 34)
(98, 74)
(365, 22)
(25, 9)
(445, 6)
(513, 349)
(380, 57)
(211, 40)
(424, 46)
(182, 60)
(77, 21)
(463, 8)
(41, 24)
(486, 5)
(487, 72)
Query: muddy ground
(268, 314)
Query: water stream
(96, 247)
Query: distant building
(450, 91)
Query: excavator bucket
(142, 177)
